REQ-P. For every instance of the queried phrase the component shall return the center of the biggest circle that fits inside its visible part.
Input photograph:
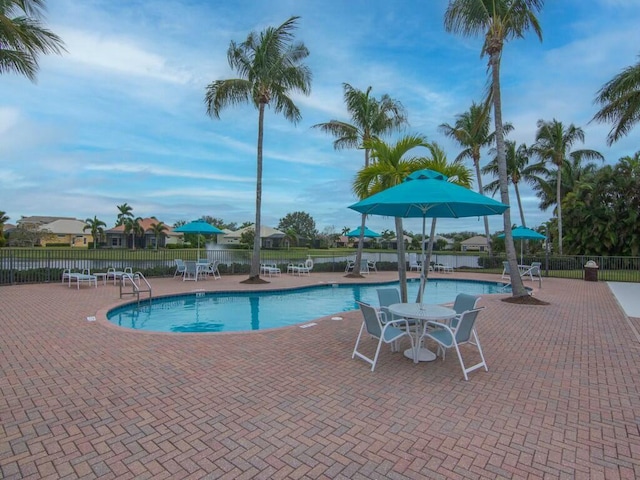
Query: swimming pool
(240, 311)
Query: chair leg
(464, 370)
(477, 344)
(375, 358)
(355, 349)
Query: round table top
(426, 311)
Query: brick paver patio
(86, 399)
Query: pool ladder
(139, 284)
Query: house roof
(145, 223)
(265, 232)
(66, 227)
(477, 240)
(42, 219)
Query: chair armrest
(396, 322)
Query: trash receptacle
(591, 271)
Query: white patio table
(423, 313)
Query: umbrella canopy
(367, 233)
(523, 233)
(426, 193)
(199, 227)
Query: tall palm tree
(553, 145)
(124, 211)
(23, 37)
(158, 229)
(97, 229)
(370, 119)
(620, 100)
(518, 170)
(498, 21)
(269, 68)
(473, 132)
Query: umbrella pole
(422, 274)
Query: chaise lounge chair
(302, 268)
(116, 275)
(83, 277)
(269, 269)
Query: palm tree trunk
(559, 207)
(517, 287)
(427, 260)
(476, 162)
(522, 222)
(515, 187)
(255, 260)
(402, 262)
(356, 267)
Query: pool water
(241, 311)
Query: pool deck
(85, 399)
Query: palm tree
(498, 21)
(269, 66)
(620, 100)
(553, 143)
(574, 171)
(370, 118)
(132, 226)
(456, 172)
(518, 170)
(472, 132)
(3, 219)
(158, 229)
(96, 227)
(124, 211)
(390, 168)
(23, 37)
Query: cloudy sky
(121, 116)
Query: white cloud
(118, 55)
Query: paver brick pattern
(84, 399)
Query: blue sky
(121, 117)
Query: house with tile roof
(117, 238)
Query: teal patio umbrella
(199, 227)
(523, 233)
(426, 193)
(367, 233)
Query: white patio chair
(371, 266)
(506, 271)
(452, 336)
(180, 267)
(364, 266)
(414, 264)
(191, 271)
(533, 271)
(349, 267)
(375, 324)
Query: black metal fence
(38, 265)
